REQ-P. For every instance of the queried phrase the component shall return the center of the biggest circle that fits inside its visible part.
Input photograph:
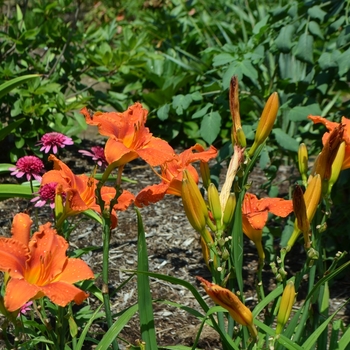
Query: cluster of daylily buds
(212, 218)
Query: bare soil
(173, 249)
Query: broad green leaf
(344, 62)
(316, 12)
(210, 127)
(285, 141)
(196, 96)
(327, 61)
(334, 26)
(222, 59)
(344, 36)
(11, 84)
(200, 113)
(264, 159)
(315, 29)
(284, 39)
(300, 113)
(163, 112)
(181, 103)
(304, 48)
(144, 290)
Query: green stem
(106, 243)
(61, 326)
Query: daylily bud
(194, 205)
(214, 204)
(229, 210)
(312, 198)
(236, 118)
(302, 221)
(336, 166)
(303, 162)
(286, 305)
(228, 300)
(242, 141)
(58, 202)
(266, 122)
(205, 173)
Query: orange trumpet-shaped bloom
(255, 214)
(38, 266)
(80, 190)
(128, 137)
(331, 126)
(172, 173)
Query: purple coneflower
(54, 140)
(30, 166)
(46, 193)
(97, 154)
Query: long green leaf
(94, 317)
(311, 340)
(144, 290)
(225, 338)
(11, 84)
(7, 130)
(289, 344)
(345, 340)
(117, 327)
(13, 190)
(4, 167)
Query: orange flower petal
(276, 206)
(346, 161)
(151, 194)
(62, 293)
(115, 151)
(45, 244)
(18, 292)
(21, 228)
(188, 156)
(253, 234)
(156, 152)
(124, 201)
(320, 120)
(74, 271)
(13, 256)
(257, 220)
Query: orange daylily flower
(331, 126)
(80, 191)
(172, 173)
(128, 137)
(255, 214)
(38, 266)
